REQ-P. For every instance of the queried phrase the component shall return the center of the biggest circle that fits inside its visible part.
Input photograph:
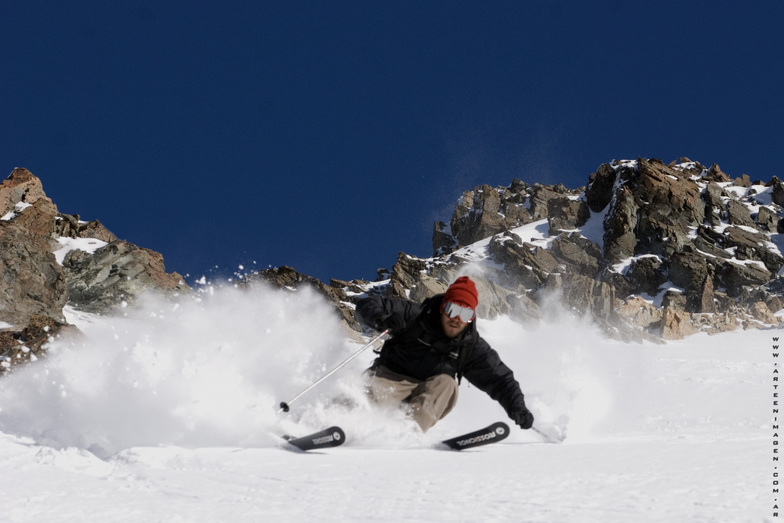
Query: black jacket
(419, 348)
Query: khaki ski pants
(430, 400)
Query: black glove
(523, 418)
(393, 322)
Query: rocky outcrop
(116, 274)
(649, 251)
(35, 287)
(32, 282)
(483, 212)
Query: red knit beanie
(463, 292)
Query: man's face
(452, 326)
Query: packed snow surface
(170, 414)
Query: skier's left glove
(523, 418)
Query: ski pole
(546, 436)
(284, 405)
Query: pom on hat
(463, 292)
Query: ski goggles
(453, 310)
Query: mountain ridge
(646, 250)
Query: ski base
(490, 434)
(330, 437)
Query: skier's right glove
(393, 323)
(523, 418)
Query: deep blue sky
(330, 135)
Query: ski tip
(337, 434)
(329, 437)
(491, 434)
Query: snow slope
(168, 413)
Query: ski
(331, 437)
(490, 434)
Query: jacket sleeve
(489, 374)
(386, 313)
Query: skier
(433, 345)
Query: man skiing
(433, 345)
